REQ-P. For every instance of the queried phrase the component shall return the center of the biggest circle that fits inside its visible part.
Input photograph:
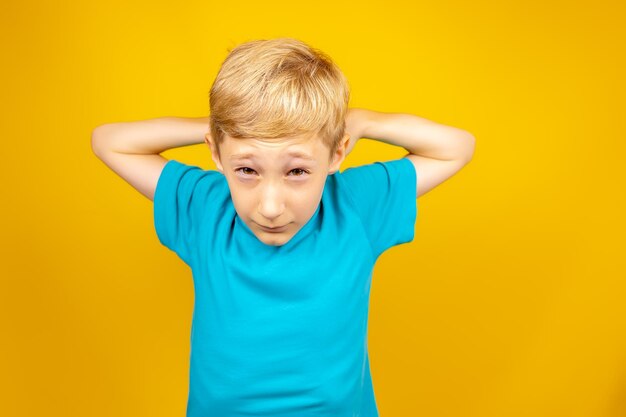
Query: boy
(281, 244)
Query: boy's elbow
(472, 146)
(100, 135)
(96, 141)
(98, 138)
(468, 147)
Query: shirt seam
(356, 210)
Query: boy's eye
(244, 168)
(299, 170)
(246, 171)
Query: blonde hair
(282, 87)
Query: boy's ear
(340, 154)
(208, 139)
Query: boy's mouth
(274, 229)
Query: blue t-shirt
(281, 331)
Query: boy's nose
(271, 205)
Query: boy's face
(271, 188)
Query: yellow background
(509, 302)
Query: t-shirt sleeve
(181, 199)
(385, 198)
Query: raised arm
(437, 151)
(132, 149)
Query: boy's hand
(355, 126)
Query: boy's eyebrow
(297, 154)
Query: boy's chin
(274, 239)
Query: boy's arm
(132, 149)
(437, 151)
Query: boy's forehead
(303, 148)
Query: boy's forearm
(151, 136)
(418, 135)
